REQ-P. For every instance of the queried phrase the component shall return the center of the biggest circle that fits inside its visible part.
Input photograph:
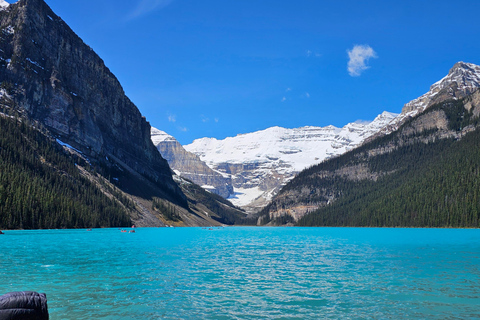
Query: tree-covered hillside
(426, 174)
(434, 185)
(41, 187)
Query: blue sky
(217, 68)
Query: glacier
(261, 162)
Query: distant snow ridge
(159, 136)
(260, 163)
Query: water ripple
(247, 273)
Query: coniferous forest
(442, 190)
(41, 187)
(434, 184)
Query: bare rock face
(462, 80)
(189, 165)
(260, 163)
(53, 77)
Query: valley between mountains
(251, 168)
(76, 152)
(261, 168)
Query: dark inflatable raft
(24, 305)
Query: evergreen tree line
(168, 210)
(435, 184)
(441, 191)
(41, 188)
(421, 180)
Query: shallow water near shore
(247, 273)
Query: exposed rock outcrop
(54, 78)
(260, 163)
(189, 165)
(462, 80)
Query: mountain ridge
(441, 115)
(52, 80)
(462, 79)
(259, 163)
(189, 165)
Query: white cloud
(147, 6)
(183, 129)
(284, 99)
(358, 59)
(204, 119)
(288, 90)
(307, 94)
(216, 120)
(172, 118)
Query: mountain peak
(465, 75)
(462, 80)
(160, 136)
(386, 115)
(259, 163)
(464, 67)
(26, 3)
(62, 83)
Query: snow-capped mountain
(437, 143)
(462, 80)
(260, 163)
(189, 165)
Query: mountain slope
(42, 188)
(422, 174)
(189, 165)
(462, 80)
(260, 163)
(435, 184)
(55, 78)
(50, 79)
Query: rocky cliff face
(189, 165)
(462, 80)
(50, 75)
(260, 163)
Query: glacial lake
(247, 272)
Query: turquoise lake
(247, 273)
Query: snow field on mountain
(278, 153)
(259, 163)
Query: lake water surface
(247, 273)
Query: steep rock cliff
(189, 165)
(51, 76)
